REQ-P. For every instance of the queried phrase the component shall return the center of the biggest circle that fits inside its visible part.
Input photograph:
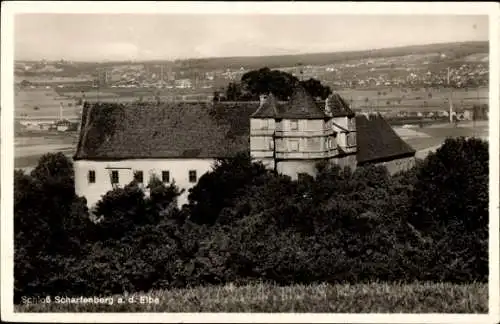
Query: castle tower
(343, 125)
(262, 131)
(303, 136)
(292, 138)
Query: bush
(450, 205)
(50, 224)
(245, 223)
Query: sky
(108, 37)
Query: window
(264, 124)
(271, 144)
(139, 176)
(351, 139)
(192, 176)
(294, 125)
(165, 176)
(91, 176)
(294, 146)
(114, 177)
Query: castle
(180, 141)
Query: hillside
(451, 50)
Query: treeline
(244, 223)
(265, 81)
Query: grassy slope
(322, 298)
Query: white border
(429, 8)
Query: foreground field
(322, 298)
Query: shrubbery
(245, 223)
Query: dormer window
(350, 124)
(351, 139)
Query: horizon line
(251, 56)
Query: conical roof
(302, 106)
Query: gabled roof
(377, 141)
(337, 107)
(302, 106)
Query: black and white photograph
(249, 160)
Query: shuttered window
(192, 176)
(115, 177)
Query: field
(321, 298)
(390, 99)
(43, 103)
(31, 146)
(396, 99)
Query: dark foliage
(246, 223)
(281, 84)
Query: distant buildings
(183, 83)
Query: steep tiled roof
(302, 106)
(377, 141)
(180, 130)
(200, 130)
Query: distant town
(406, 85)
(367, 73)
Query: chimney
(328, 110)
(60, 111)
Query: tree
(50, 223)
(316, 89)
(281, 84)
(452, 187)
(449, 205)
(25, 83)
(216, 96)
(233, 91)
(162, 199)
(120, 210)
(217, 189)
